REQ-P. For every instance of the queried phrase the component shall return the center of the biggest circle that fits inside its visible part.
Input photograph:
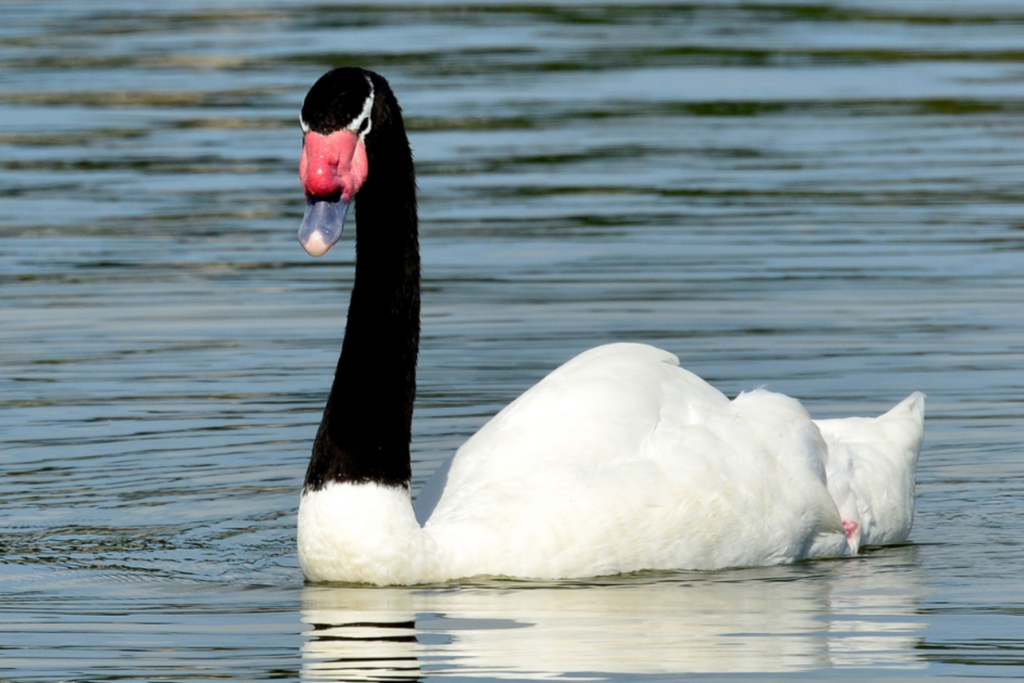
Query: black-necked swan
(618, 461)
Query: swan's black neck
(366, 428)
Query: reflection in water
(860, 613)
(346, 645)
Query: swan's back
(621, 460)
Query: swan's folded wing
(620, 460)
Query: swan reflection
(858, 613)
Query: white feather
(618, 461)
(871, 463)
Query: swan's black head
(337, 101)
(336, 117)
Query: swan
(618, 461)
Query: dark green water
(822, 198)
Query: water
(825, 199)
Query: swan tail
(870, 468)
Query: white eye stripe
(364, 116)
(302, 121)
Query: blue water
(825, 199)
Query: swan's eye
(364, 125)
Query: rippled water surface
(822, 198)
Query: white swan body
(619, 461)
